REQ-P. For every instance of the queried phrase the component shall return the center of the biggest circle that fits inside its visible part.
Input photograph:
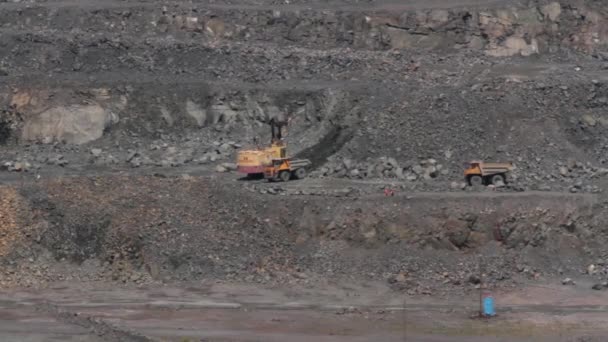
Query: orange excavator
(253, 162)
(272, 162)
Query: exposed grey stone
(392, 162)
(399, 173)
(230, 166)
(348, 164)
(568, 281)
(419, 170)
(589, 120)
(132, 155)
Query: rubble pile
(384, 168)
(140, 229)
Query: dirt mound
(142, 229)
(12, 208)
(127, 227)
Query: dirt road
(211, 311)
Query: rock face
(76, 124)
(338, 76)
(197, 113)
(514, 46)
(552, 11)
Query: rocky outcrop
(81, 114)
(499, 31)
(75, 124)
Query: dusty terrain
(121, 216)
(212, 311)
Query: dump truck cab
(472, 168)
(480, 173)
(275, 168)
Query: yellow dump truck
(480, 173)
(285, 169)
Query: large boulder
(552, 11)
(197, 113)
(75, 124)
(457, 231)
(513, 46)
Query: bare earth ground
(123, 229)
(384, 4)
(215, 311)
(329, 310)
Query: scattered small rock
(589, 120)
(230, 166)
(568, 281)
(96, 152)
(474, 279)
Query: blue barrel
(488, 306)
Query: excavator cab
(273, 161)
(252, 162)
(276, 151)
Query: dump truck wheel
(475, 180)
(285, 176)
(300, 173)
(497, 179)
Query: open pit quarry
(122, 216)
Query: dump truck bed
(298, 163)
(494, 168)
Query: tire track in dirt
(96, 326)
